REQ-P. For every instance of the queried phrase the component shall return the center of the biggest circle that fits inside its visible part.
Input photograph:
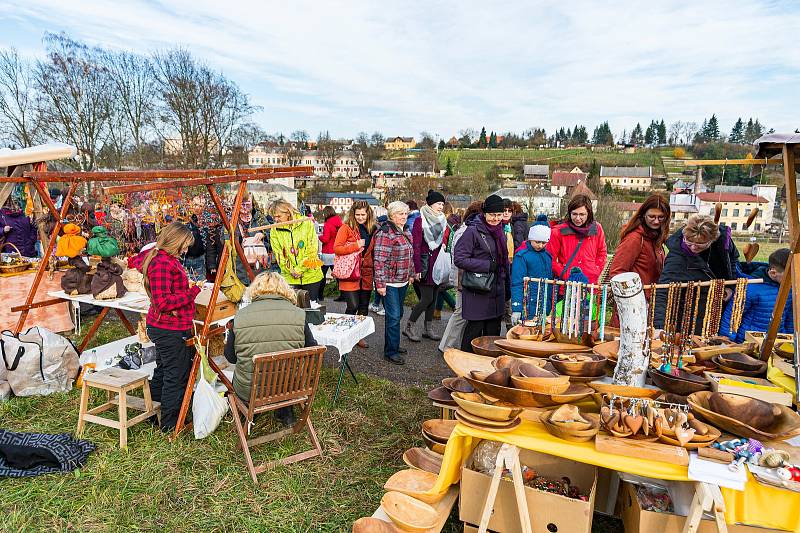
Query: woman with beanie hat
(427, 235)
(578, 241)
(481, 250)
(533, 261)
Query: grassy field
(203, 485)
(764, 249)
(478, 162)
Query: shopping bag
(231, 286)
(208, 407)
(347, 267)
(38, 362)
(442, 267)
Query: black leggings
(312, 288)
(479, 328)
(325, 269)
(357, 302)
(427, 303)
(173, 364)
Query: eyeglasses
(696, 245)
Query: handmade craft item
(737, 309)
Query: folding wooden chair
(280, 379)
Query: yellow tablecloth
(780, 379)
(758, 504)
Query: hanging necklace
(525, 283)
(737, 309)
(604, 299)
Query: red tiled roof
(581, 188)
(567, 179)
(730, 197)
(627, 206)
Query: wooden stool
(119, 381)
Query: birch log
(632, 361)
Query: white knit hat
(540, 231)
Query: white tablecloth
(343, 340)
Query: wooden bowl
(741, 361)
(786, 425)
(458, 384)
(478, 420)
(438, 429)
(441, 395)
(523, 332)
(758, 414)
(461, 363)
(526, 398)
(677, 384)
(423, 459)
(785, 350)
(610, 349)
(476, 405)
(510, 426)
(414, 483)
(485, 346)
(538, 348)
(567, 433)
(433, 445)
(724, 368)
(554, 385)
(695, 443)
(575, 392)
(409, 514)
(606, 387)
(369, 524)
(586, 365)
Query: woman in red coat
(578, 241)
(641, 245)
(329, 230)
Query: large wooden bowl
(587, 365)
(457, 384)
(680, 384)
(476, 405)
(725, 368)
(514, 362)
(758, 414)
(438, 429)
(414, 483)
(538, 348)
(526, 398)
(369, 524)
(408, 513)
(441, 395)
(423, 459)
(554, 385)
(610, 349)
(572, 435)
(433, 445)
(785, 426)
(461, 363)
(485, 346)
(482, 425)
(741, 361)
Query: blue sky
(404, 67)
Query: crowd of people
(482, 255)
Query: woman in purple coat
(482, 249)
(17, 229)
(427, 234)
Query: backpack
(231, 286)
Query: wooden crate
(222, 309)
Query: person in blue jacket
(531, 260)
(760, 298)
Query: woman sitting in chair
(271, 323)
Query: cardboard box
(222, 309)
(758, 337)
(548, 512)
(469, 528)
(744, 386)
(637, 520)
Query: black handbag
(479, 282)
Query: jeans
(173, 364)
(393, 304)
(479, 328)
(427, 301)
(357, 302)
(445, 297)
(195, 267)
(377, 299)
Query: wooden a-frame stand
(148, 181)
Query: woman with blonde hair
(355, 235)
(699, 251)
(272, 322)
(296, 248)
(169, 319)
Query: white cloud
(442, 66)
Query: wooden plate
(693, 444)
(369, 524)
(409, 513)
(438, 429)
(461, 363)
(575, 392)
(558, 430)
(485, 346)
(785, 426)
(414, 483)
(441, 395)
(554, 385)
(477, 406)
(717, 360)
(606, 387)
(539, 348)
(526, 398)
(423, 459)
(494, 429)
(458, 384)
(594, 367)
(479, 420)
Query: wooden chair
(280, 379)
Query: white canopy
(35, 154)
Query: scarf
(582, 231)
(499, 237)
(432, 226)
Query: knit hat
(576, 274)
(540, 231)
(433, 197)
(492, 204)
(71, 243)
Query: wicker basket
(13, 269)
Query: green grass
(203, 485)
(764, 249)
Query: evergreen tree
(493, 140)
(482, 138)
(568, 137)
(636, 135)
(442, 145)
(712, 129)
(758, 130)
(700, 136)
(737, 132)
(662, 132)
(649, 135)
(448, 169)
(603, 135)
(749, 129)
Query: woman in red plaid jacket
(393, 258)
(169, 320)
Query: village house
(627, 178)
(266, 193)
(340, 201)
(400, 143)
(562, 182)
(534, 200)
(388, 174)
(737, 204)
(538, 174)
(264, 155)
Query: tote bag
(38, 362)
(347, 267)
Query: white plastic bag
(442, 267)
(208, 407)
(38, 362)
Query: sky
(406, 67)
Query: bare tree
(674, 132)
(21, 124)
(76, 96)
(300, 136)
(690, 129)
(376, 140)
(328, 150)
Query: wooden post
(780, 305)
(632, 361)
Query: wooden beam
(36, 305)
(194, 182)
(150, 175)
(715, 162)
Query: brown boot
(437, 314)
(362, 344)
